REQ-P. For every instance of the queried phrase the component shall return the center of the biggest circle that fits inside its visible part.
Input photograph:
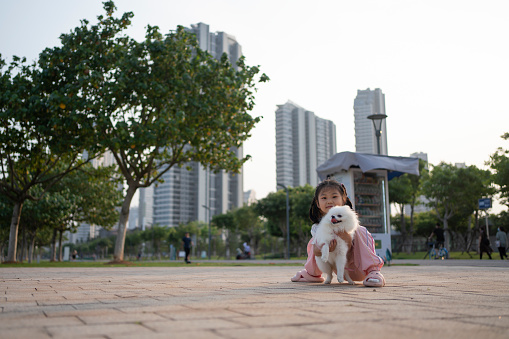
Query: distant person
(439, 233)
(187, 242)
(247, 250)
(502, 242)
(74, 255)
(484, 244)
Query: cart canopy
(395, 166)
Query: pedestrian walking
(501, 243)
(187, 243)
(484, 244)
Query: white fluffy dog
(342, 220)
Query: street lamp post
(377, 124)
(287, 221)
(208, 220)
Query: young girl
(363, 263)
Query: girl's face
(328, 198)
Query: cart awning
(366, 162)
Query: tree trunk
(13, 236)
(60, 234)
(31, 249)
(53, 246)
(411, 229)
(23, 243)
(118, 254)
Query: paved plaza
(436, 299)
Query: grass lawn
(420, 255)
(90, 263)
(145, 264)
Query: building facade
(366, 103)
(303, 142)
(192, 192)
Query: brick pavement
(449, 299)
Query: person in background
(502, 242)
(439, 233)
(484, 244)
(187, 242)
(247, 250)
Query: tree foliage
(160, 102)
(499, 162)
(454, 191)
(405, 190)
(273, 209)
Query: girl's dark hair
(314, 211)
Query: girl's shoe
(374, 279)
(304, 276)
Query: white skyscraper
(303, 142)
(195, 194)
(366, 103)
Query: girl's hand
(317, 251)
(332, 245)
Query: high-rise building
(250, 197)
(366, 103)
(303, 142)
(192, 192)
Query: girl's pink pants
(362, 261)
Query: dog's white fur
(346, 221)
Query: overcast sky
(442, 65)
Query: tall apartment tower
(196, 194)
(366, 103)
(303, 142)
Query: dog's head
(343, 217)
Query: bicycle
(442, 252)
(432, 252)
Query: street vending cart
(366, 178)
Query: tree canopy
(164, 102)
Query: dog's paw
(327, 281)
(340, 279)
(347, 277)
(324, 257)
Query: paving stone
(447, 299)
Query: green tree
(400, 194)
(273, 209)
(406, 190)
(169, 103)
(30, 157)
(476, 183)
(249, 227)
(300, 224)
(230, 227)
(48, 111)
(452, 190)
(499, 163)
(133, 242)
(156, 236)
